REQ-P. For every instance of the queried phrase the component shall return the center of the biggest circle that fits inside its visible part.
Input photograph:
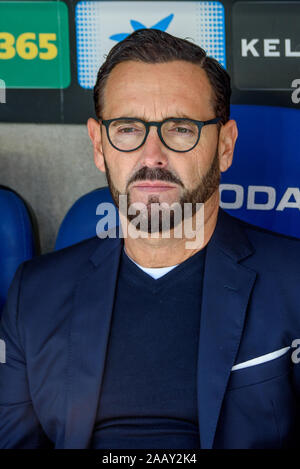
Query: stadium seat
(265, 162)
(81, 220)
(18, 237)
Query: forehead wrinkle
(156, 108)
(163, 115)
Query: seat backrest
(83, 217)
(262, 185)
(17, 239)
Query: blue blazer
(56, 327)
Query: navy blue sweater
(148, 394)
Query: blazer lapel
(226, 289)
(90, 325)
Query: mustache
(154, 174)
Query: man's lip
(153, 186)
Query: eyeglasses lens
(180, 135)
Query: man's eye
(128, 130)
(182, 130)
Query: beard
(199, 195)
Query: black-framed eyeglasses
(176, 133)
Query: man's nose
(154, 153)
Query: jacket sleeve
(19, 425)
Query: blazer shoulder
(46, 282)
(78, 252)
(266, 236)
(67, 264)
(272, 252)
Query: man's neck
(163, 252)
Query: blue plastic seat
(17, 237)
(266, 155)
(81, 220)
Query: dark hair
(154, 46)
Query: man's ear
(227, 138)
(95, 135)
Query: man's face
(153, 173)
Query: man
(142, 342)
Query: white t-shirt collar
(154, 272)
